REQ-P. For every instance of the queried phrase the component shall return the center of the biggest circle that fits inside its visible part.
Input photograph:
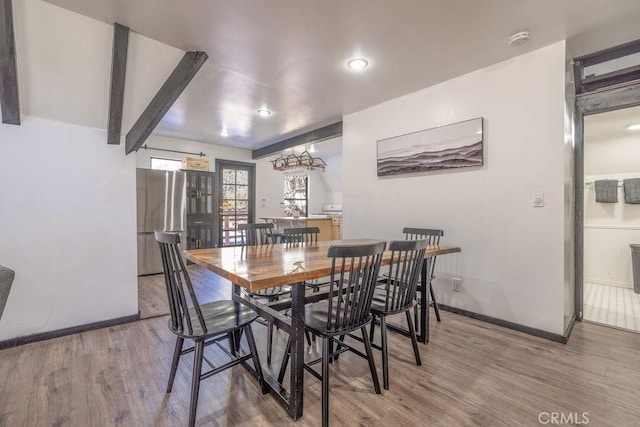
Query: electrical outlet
(457, 284)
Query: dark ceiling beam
(164, 99)
(317, 135)
(118, 72)
(9, 97)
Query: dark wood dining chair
(354, 271)
(256, 234)
(433, 237)
(261, 234)
(295, 235)
(308, 236)
(204, 324)
(398, 295)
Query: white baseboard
(599, 281)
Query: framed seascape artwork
(453, 146)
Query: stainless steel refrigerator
(161, 205)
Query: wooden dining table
(260, 267)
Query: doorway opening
(607, 220)
(612, 218)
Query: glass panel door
(236, 182)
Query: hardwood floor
(152, 296)
(473, 373)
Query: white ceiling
(290, 55)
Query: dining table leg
(291, 398)
(425, 283)
(297, 351)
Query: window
(606, 68)
(296, 193)
(166, 164)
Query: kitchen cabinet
(200, 236)
(201, 214)
(336, 228)
(200, 193)
(323, 224)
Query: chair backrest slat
(256, 234)
(432, 235)
(407, 257)
(354, 270)
(301, 235)
(176, 280)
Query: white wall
(68, 210)
(64, 66)
(609, 228)
(211, 151)
(613, 154)
(332, 180)
(269, 183)
(68, 227)
(68, 214)
(512, 260)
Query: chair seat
(315, 319)
(316, 284)
(378, 304)
(220, 317)
(271, 293)
(319, 282)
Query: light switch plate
(538, 200)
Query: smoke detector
(518, 38)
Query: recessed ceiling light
(634, 127)
(357, 64)
(264, 112)
(518, 38)
(224, 132)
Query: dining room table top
(260, 267)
